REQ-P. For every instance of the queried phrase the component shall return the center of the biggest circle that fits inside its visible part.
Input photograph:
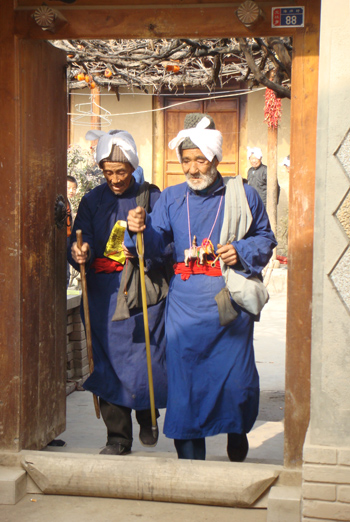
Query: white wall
(326, 451)
(139, 125)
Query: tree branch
(280, 90)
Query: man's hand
(136, 219)
(82, 255)
(228, 254)
(127, 254)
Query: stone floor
(50, 508)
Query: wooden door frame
(144, 19)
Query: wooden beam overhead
(150, 4)
(212, 21)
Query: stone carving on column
(340, 275)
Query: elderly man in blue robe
(222, 240)
(120, 378)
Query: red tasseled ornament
(273, 109)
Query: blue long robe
(120, 366)
(213, 384)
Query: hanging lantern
(273, 109)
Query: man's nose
(115, 179)
(193, 167)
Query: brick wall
(326, 484)
(77, 359)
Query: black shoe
(148, 437)
(237, 446)
(115, 449)
(58, 443)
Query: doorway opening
(28, 428)
(238, 124)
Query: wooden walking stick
(147, 338)
(87, 320)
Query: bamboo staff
(87, 320)
(147, 337)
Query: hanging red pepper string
(273, 109)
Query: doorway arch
(144, 18)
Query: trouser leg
(190, 449)
(144, 417)
(237, 446)
(68, 265)
(148, 436)
(118, 422)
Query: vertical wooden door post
(301, 235)
(272, 184)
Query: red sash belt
(196, 268)
(104, 264)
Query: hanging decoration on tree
(273, 109)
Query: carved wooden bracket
(249, 13)
(49, 19)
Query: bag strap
(142, 196)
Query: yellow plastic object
(114, 248)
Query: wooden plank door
(225, 113)
(43, 121)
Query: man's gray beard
(206, 179)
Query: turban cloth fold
(209, 141)
(254, 150)
(120, 138)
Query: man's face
(199, 171)
(71, 189)
(118, 175)
(254, 161)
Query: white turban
(106, 140)
(209, 141)
(256, 151)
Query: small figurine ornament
(200, 254)
(206, 249)
(191, 253)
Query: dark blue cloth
(120, 374)
(213, 384)
(193, 449)
(138, 175)
(68, 266)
